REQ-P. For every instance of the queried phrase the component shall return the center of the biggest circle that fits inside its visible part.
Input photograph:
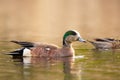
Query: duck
(105, 43)
(37, 49)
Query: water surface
(95, 65)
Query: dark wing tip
(104, 39)
(23, 43)
(99, 39)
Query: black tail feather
(24, 44)
(17, 53)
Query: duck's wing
(101, 44)
(104, 39)
(24, 43)
(110, 39)
(37, 44)
(101, 39)
(36, 49)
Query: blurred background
(48, 20)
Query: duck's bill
(81, 40)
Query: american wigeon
(49, 50)
(106, 43)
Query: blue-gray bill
(81, 40)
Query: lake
(88, 64)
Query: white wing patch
(26, 52)
(47, 48)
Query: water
(88, 65)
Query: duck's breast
(67, 52)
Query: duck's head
(72, 36)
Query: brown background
(41, 19)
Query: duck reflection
(71, 72)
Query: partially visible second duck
(48, 50)
(106, 43)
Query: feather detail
(24, 44)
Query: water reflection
(34, 66)
(103, 64)
(71, 72)
(96, 65)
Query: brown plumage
(106, 43)
(49, 50)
